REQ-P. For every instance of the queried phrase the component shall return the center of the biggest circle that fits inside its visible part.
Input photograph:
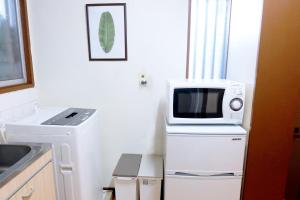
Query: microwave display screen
(198, 103)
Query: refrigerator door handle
(185, 174)
(224, 174)
(206, 175)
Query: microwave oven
(206, 102)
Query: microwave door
(198, 103)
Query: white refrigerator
(204, 162)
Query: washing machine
(75, 137)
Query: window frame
(188, 40)
(25, 44)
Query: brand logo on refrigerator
(236, 139)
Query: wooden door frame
(276, 102)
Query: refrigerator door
(205, 154)
(202, 188)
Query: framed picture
(107, 32)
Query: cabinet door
(40, 187)
(43, 184)
(23, 194)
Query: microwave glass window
(198, 103)
(189, 102)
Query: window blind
(209, 35)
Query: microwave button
(236, 104)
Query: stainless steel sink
(11, 154)
(16, 157)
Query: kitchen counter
(36, 151)
(16, 176)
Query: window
(208, 39)
(15, 59)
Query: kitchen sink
(11, 154)
(14, 158)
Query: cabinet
(39, 187)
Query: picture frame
(107, 31)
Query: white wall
(132, 118)
(244, 39)
(15, 105)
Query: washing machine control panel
(70, 117)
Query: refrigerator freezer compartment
(205, 154)
(206, 188)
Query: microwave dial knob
(236, 104)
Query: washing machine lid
(70, 117)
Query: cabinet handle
(29, 194)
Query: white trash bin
(125, 177)
(126, 188)
(150, 177)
